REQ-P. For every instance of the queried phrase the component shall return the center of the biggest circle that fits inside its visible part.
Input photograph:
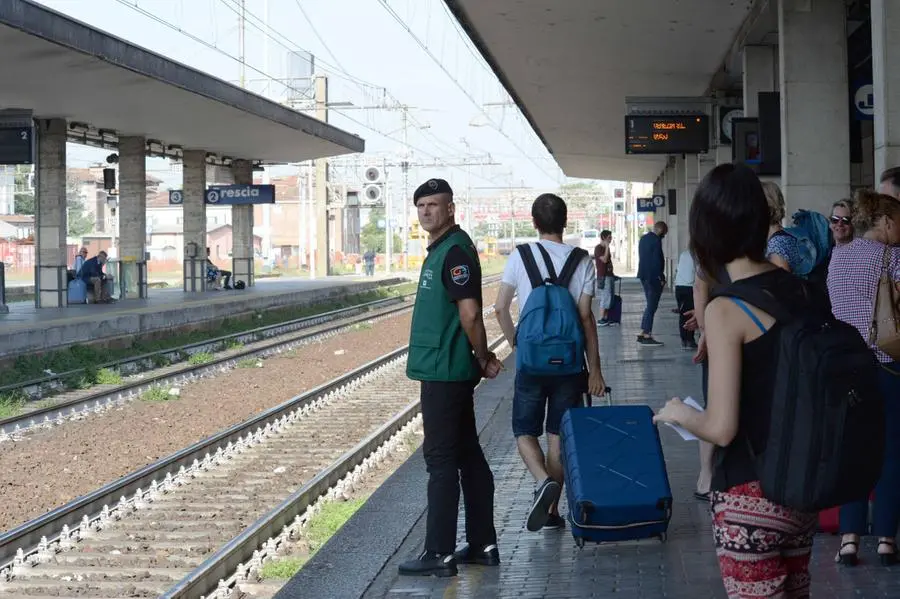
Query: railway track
(197, 523)
(259, 342)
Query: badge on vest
(460, 274)
(427, 275)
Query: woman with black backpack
(763, 547)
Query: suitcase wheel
(579, 542)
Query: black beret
(430, 188)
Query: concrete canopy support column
(760, 75)
(886, 81)
(51, 222)
(242, 227)
(691, 178)
(813, 58)
(132, 215)
(194, 206)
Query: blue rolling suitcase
(616, 481)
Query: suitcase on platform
(614, 315)
(616, 481)
(76, 293)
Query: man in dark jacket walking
(651, 273)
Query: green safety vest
(439, 349)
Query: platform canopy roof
(570, 65)
(59, 67)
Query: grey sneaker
(546, 495)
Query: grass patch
(233, 344)
(283, 568)
(247, 363)
(11, 404)
(203, 357)
(323, 525)
(157, 394)
(106, 376)
(361, 326)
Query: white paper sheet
(686, 435)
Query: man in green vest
(448, 353)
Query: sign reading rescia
(230, 195)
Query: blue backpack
(814, 241)
(549, 337)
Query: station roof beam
(59, 67)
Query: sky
(372, 51)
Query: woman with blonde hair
(853, 276)
(781, 249)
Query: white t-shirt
(582, 282)
(684, 276)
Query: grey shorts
(605, 295)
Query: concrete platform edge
(39, 337)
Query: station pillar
(51, 222)
(815, 126)
(760, 75)
(133, 216)
(691, 179)
(194, 206)
(242, 265)
(886, 81)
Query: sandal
(851, 558)
(889, 558)
(701, 496)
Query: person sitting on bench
(216, 275)
(92, 274)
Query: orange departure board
(662, 134)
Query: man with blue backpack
(557, 352)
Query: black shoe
(430, 563)
(603, 323)
(888, 558)
(555, 521)
(546, 495)
(649, 342)
(486, 556)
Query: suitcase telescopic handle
(589, 399)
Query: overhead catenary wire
(462, 88)
(176, 28)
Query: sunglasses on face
(840, 220)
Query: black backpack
(826, 431)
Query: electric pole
(321, 167)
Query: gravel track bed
(46, 469)
(151, 549)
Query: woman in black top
(763, 548)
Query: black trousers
(452, 456)
(684, 296)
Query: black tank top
(733, 465)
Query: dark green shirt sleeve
(461, 275)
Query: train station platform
(361, 560)
(26, 329)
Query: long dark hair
(729, 218)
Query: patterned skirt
(763, 548)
